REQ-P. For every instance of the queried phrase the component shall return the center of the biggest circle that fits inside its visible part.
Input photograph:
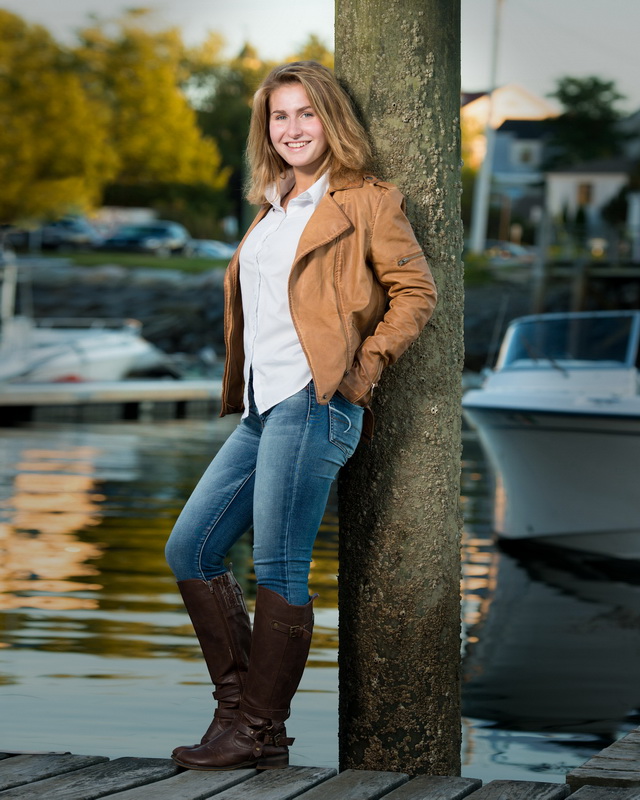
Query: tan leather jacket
(360, 292)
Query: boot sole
(260, 765)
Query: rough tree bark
(399, 496)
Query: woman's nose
(294, 128)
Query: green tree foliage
(153, 128)
(128, 115)
(587, 129)
(55, 150)
(314, 49)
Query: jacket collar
(327, 222)
(346, 183)
(329, 219)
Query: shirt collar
(314, 193)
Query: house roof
(469, 97)
(525, 128)
(600, 166)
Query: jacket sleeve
(401, 268)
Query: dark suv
(159, 237)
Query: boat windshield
(604, 339)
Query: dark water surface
(97, 655)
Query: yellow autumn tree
(55, 151)
(314, 49)
(138, 74)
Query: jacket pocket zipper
(404, 260)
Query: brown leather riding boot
(221, 622)
(279, 649)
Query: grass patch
(133, 260)
(476, 270)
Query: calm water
(97, 655)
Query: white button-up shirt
(271, 345)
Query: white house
(589, 186)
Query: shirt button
(324, 396)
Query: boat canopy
(608, 338)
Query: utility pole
(399, 583)
(482, 189)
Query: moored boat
(44, 351)
(559, 418)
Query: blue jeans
(274, 472)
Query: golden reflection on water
(77, 537)
(53, 496)
(83, 528)
(478, 556)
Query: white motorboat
(74, 350)
(45, 351)
(559, 419)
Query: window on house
(585, 194)
(525, 154)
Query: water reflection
(551, 647)
(92, 626)
(51, 495)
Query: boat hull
(563, 477)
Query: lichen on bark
(399, 496)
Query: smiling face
(295, 129)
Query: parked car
(508, 254)
(74, 232)
(210, 248)
(159, 237)
(67, 233)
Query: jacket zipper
(404, 260)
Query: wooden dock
(616, 766)
(63, 776)
(107, 401)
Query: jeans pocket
(345, 424)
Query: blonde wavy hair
(349, 151)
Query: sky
(540, 40)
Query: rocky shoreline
(182, 313)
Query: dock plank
(435, 787)
(519, 790)
(187, 785)
(605, 793)
(357, 784)
(589, 776)
(96, 781)
(627, 751)
(277, 784)
(618, 765)
(25, 768)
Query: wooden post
(399, 580)
(579, 285)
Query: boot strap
(292, 631)
(223, 692)
(262, 735)
(270, 714)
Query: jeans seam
(212, 527)
(294, 488)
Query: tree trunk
(399, 496)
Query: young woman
(327, 288)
